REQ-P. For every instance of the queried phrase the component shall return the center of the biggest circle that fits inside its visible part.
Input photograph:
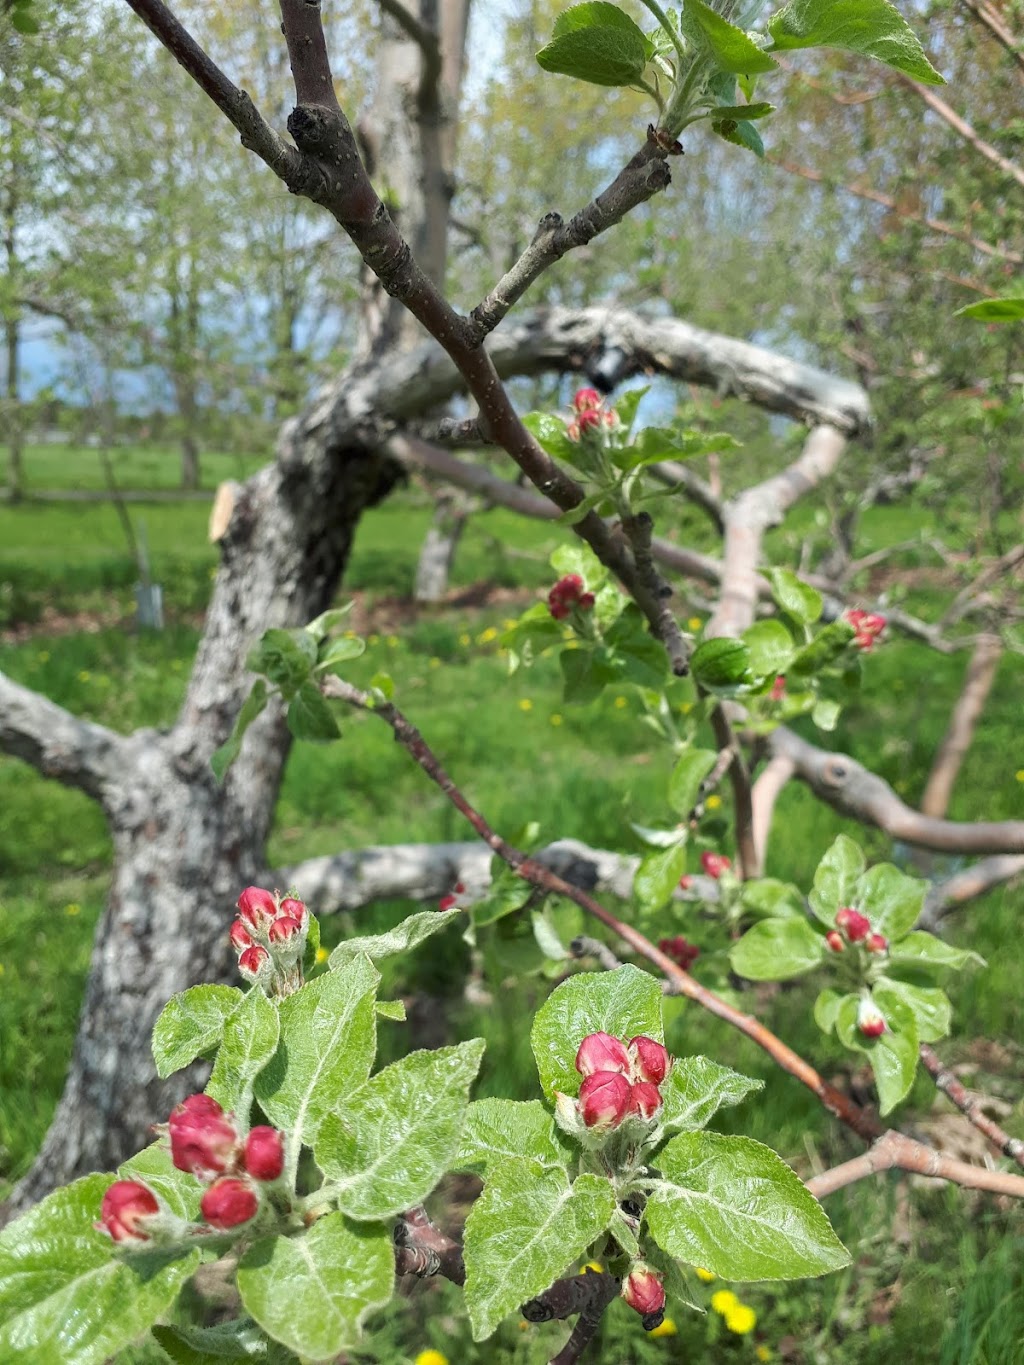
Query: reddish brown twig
(971, 1106)
(894, 1151)
(422, 1249)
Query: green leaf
(793, 596)
(555, 924)
(835, 880)
(1008, 309)
(239, 1339)
(340, 652)
(498, 1130)
(925, 950)
(696, 1088)
(386, 1147)
(770, 647)
(413, 931)
(740, 134)
(507, 893)
(767, 896)
(624, 1003)
(873, 28)
(891, 900)
(312, 1291)
(658, 875)
(24, 21)
(893, 1056)
(391, 1009)
(328, 1040)
(689, 772)
(65, 1295)
(598, 43)
(191, 1025)
(383, 683)
(522, 1233)
(826, 1009)
(731, 1205)
(732, 50)
(742, 111)
(824, 649)
(286, 657)
(929, 1005)
(222, 758)
(580, 682)
(322, 626)
(179, 1190)
(310, 716)
(776, 949)
(720, 663)
(825, 714)
(250, 1041)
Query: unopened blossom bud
(651, 1062)
(586, 399)
(643, 1289)
(685, 882)
(778, 688)
(294, 909)
(714, 864)
(253, 961)
(612, 419)
(586, 601)
(263, 1154)
(680, 951)
(447, 903)
(572, 431)
(855, 925)
(239, 936)
(835, 941)
(590, 418)
(256, 907)
(204, 1142)
(228, 1203)
(870, 1020)
(644, 1099)
(601, 1052)
(126, 1207)
(285, 929)
(604, 1099)
(876, 943)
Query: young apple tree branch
(972, 1106)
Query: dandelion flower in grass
(373, 639)
(2, 969)
(435, 663)
(763, 1352)
(44, 657)
(705, 1275)
(392, 642)
(73, 909)
(713, 802)
(525, 704)
(724, 1301)
(694, 623)
(1019, 774)
(741, 1319)
(555, 718)
(465, 639)
(431, 1358)
(666, 1328)
(620, 703)
(84, 675)
(486, 636)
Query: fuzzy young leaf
(386, 1147)
(153, 1166)
(250, 1040)
(222, 758)
(742, 111)
(310, 716)
(328, 1040)
(732, 50)
(768, 897)
(65, 1295)
(238, 1339)
(873, 28)
(322, 625)
(658, 875)
(919, 949)
(312, 1291)
(524, 1230)
(624, 1003)
(893, 1055)
(339, 652)
(795, 597)
(599, 43)
(740, 133)
(836, 879)
(826, 1009)
(891, 900)
(733, 1206)
(285, 657)
(929, 1005)
(770, 646)
(498, 1130)
(191, 1025)
(776, 949)
(412, 931)
(689, 772)
(696, 1088)
(720, 664)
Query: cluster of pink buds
(450, 901)
(868, 628)
(591, 414)
(619, 1079)
(778, 687)
(567, 596)
(680, 950)
(714, 864)
(870, 1019)
(205, 1142)
(643, 1290)
(269, 936)
(854, 927)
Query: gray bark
(437, 554)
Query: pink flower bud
(240, 936)
(611, 418)
(263, 1156)
(643, 1289)
(685, 882)
(228, 1203)
(869, 1020)
(586, 399)
(447, 902)
(680, 951)
(651, 1061)
(876, 943)
(203, 1140)
(572, 431)
(868, 627)
(855, 925)
(601, 1052)
(589, 418)
(778, 688)
(460, 890)
(714, 864)
(283, 930)
(252, 962)
(256, 907)
(586, 601)
(604, 1099)
(294, 909)
(644, 1099)
(126, 1207)
(835, 941)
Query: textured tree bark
(437, 554)
(981, 674)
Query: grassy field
(937, 1273)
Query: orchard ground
(931, 1264)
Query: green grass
(62, 467)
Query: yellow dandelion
(620, 702)
(373, 639)
(43, 656)
(72, 909)
(524, 1326)
(741, 1319)
(555, 718)
(465, 639)
(694, 623)
(486, 636)
(84, 675)
(706, 1275)
(595, 1266)
(2, 969)
(321, 955)
(431, 1358)
(392, 642)
(1019, 774)
(435, 663)
(525, 704)
(724, 1301)
(350, 635)
(713, 801)
(509, 622)
(686, 707)
(763, 1352)
(665, 1328)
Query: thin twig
(993, 21)
(584, 946)
(971, 1106)
(895, 1151)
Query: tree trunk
(438, 552)
(12, 405)
(981, 674)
